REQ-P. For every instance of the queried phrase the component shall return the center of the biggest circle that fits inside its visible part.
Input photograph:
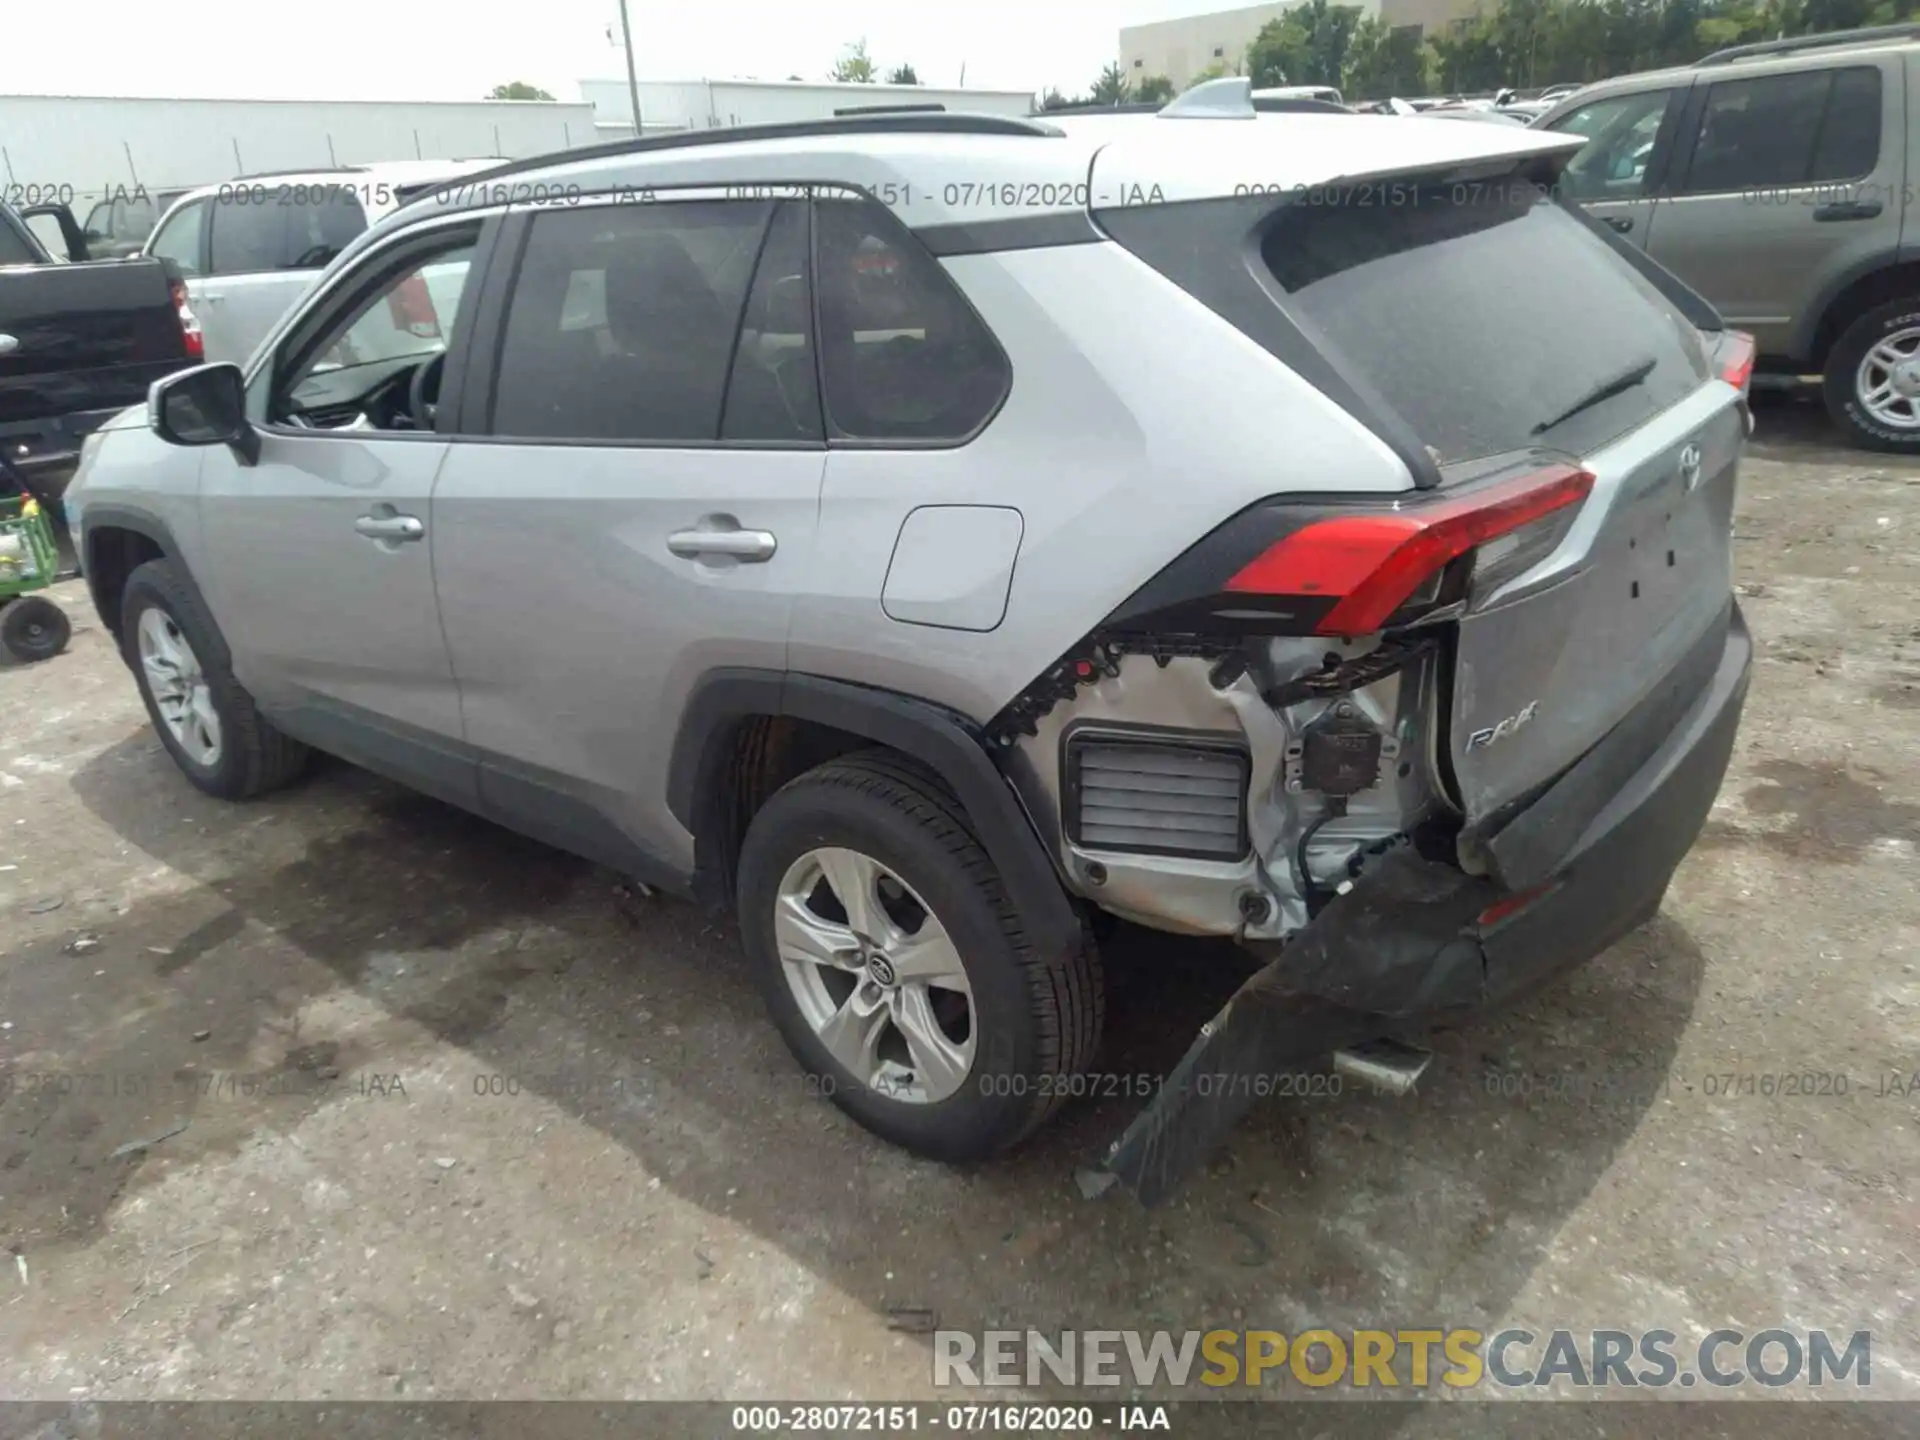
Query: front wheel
(206, 720)
(1872, 381)
(34, 628)
(895, 966)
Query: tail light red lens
(1369, 566)
(1734, 358)
(189, 322)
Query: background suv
(796, 518)
(250, 247)
(1775, 179)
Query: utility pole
(633, 79)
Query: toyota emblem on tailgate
(1690, 466)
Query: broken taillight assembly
(1733, 357)
(1359, 570)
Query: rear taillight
(1733, 358)
(189, 322)
(1358, 570)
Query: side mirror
(206, 405)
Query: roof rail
(1872, 34)
(888, 122)
(1296, 105)
(908, 109)
(303, 170)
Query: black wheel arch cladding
(945, 742)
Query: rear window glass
(1483, 313)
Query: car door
(636, 506)
(319, 571)
(267, 243)
(1783, 181)
(1617, 175)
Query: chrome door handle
(744, 545)
(8, 344)
(390, 527)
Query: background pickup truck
(79, 342)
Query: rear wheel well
(760, 754)
(114, 553)
(1875, 288)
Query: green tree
(1155, 88)
(855, 66)
(1052, 99)
(1111, 88)
(518, 90)
(1384, 61)
(1306, 46)
(902, 74)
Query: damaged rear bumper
(1416, 940)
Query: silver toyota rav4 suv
(926, 533)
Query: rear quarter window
(1482, 313)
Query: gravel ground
(450, 1115)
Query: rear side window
(903, 354)
(1483, 314)
(1798, 129)
(623, 320)
(182, 238)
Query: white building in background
(99, 144)
(1183, 48)
(710, 104)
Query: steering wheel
(418, 406)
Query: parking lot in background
(344, 1093)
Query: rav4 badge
(1481, 739)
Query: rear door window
(623, 320)
(296, 227)
(773, 393)
(1484, 314)
(247, 235)
(903, 354)
(1781, 130)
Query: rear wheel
(1872, 381)
(895, 966)
(34, 628)
(208, 723)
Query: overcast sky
(460, 49)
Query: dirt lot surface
(447, 1114)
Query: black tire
(1038, 1022)
(34, 628)
(1839, 386)
(253, 757)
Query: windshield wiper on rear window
(1620, 384)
